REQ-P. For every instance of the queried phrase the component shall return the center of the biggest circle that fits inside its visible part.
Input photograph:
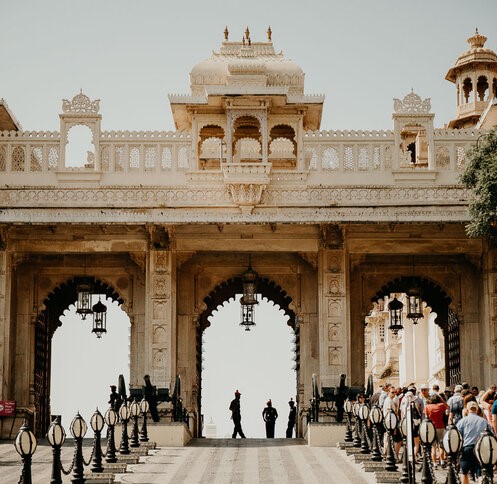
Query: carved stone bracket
(246, 182)
(331, 236)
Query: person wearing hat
(236, 415)
(292, 417)
(269, 415)
(115, 400)
(470, 426)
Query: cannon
(333, 397)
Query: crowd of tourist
(472, 410)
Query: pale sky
(131, 55)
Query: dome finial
(269, 33)
(226, 33)
(477, 40)
(247, 33)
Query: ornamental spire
(269, 33)
(477, 40)
(226, 33)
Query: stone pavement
(218, 461)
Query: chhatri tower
(333, 225)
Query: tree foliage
(481, 176)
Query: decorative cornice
(412, 104)
(81, 104)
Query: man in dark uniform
(269, 415)
(236, 415)
(150, 395)
(292, 417)
(115, 400)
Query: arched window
(79, 149)
(482, 88)
(467, 87)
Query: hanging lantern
(83, 303)
(249, 298)
(414, 305)
(247, 315)
(99, 318)
(395, 310)
(249, 280)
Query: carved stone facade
(164, 222)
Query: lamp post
(486, 451)
(357, 425)
(376, 417)
(97, 424)
(124, 416)
(406, 472)
(363, 415)
(144, 406)
(56, 437)
(25, 445)
(78, 431)
(452, 443)
(111, 420)
(390, 422)
(348, 410)
(427, 435)
(135, 413)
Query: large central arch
(226, 291)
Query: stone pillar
(5, 285)
(333, 327)
(489, 320)
(159, 317)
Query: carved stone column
(160, 297)
(4, 319)
(333, 324)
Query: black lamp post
(111, 420)
(56, 437)
(357, 425)
(97, 424)
(376, 417)
(363, 415)
(414, 305)
(124, 416)
(452, 443)
(486, 451)
(427, 435)
(134, 409)
(395, 312)
(144, 406)
(78, 431)
(406, 470)
(25, 445)
(99, 318)
(348, 410)
(390, 422)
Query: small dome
(245, 62)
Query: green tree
(481, 176)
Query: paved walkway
(218, 461)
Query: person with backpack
(456, 405)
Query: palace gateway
(336, 224)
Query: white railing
(147, 153)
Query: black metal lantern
(25, 445)
(249, 280)
(144, 407)
(390, 422)
(486, 451)
(111, 420)
(134, 410)
(83, 302)
(99, 318)
(414, 305)
(249, 298)
(247, 315)
(395, 310)
(376, 417)
(427, 435)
